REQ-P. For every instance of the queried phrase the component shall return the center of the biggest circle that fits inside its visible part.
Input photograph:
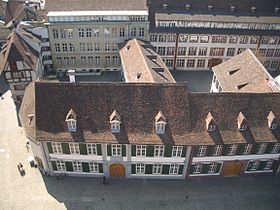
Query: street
(35, 191)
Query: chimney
(71, 74)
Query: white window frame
(91, 149)
(201, 152)
(60, 165)
(242, 127)
(115, 126)
(211, 127)
(212, 168)
(247, 149)
(275, 148)
(56, 147)
(141, 150)
(74, 148)
(157, 168)
(72, 125)
(174, 168)
(232, 149)
(177, 151)
(218, 150)
(116, 150)
(159, 151)
(197, 168)
(77, 166)
(262, 147)
(268, 165)
(140, 168)
(93, 167)
(160, 127)
(255, 165)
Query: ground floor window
(140, 168)
(77, 166)
(93, 167)
(260, 165)
(205, 168)
(157, 168)
(60, 165)
(174, 169)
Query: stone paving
(37, 192)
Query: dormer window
(210, 123)
(272, 121)
(71, 120)
(241, 122)
(115, 121)
(160, 123)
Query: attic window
(164, 6)
(241, 86)
(210, 7)
(232, 8)
(272, 121)
(160, 123)
(188, 6)
(241, 122)
(127, 47)
(210, 122)
(253, 9)
(276, 9)
(115, 121)
(233, 71)
(71, 120)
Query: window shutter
(124, 150)
(49, 147)
(255, 149)
(54, 166)
(240, 149)
(65, 148)
(133, 168)
(165, 169)
(85, 167)
(83, 149)
(150, 151)
(195, 150)
(167, 151)
(148, 169)
(184, 152)
(218, 167)
(261, 165)
(210, 150)
(269, 147)
(226, 149)
(99, 150)
(274, 165)
(133, 150)
(69, 166)
(205, 168)
(109, 150)
(100, 167)
(181, 168)
(191, 169)
(249, 166)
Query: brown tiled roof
(160, 117)
(92, 5)
(243, 73)
(209, 119)
(115, 116)
(138, 104)
(142, 64)
(4, 32)
(14, 10)
(16, 49)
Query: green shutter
(100, 167)
(49, 147)
(255, 149)
(195, 150)
(191, 169)
(181, 168)
(249, 166)
(150, 151)
(269, 147)
(99, 150)
(148, 169)
(210, 150)
(65, 148)
(124, 150)
(226, 149)
(69, 166)
(240, 149)
(205, 168)
(273, 166)
(133, 150)
(83, 149)
(261, 165)
(168, 151)
(218, 167)
(133, 168)
(165, 169)
(109, 150)
(184, 152)
(54, 166)
(85, 167)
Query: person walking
(1, 95)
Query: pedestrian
(104, 180)
(1, 95)
(27, 146)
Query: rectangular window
(66, 61)
(180, 62)
(274, 64)
(115, 60)
(170, 50)
(107, 32)
(60, 165)
(240, 50)
(116, 150)
(55, 33)
(218, 150)
(96, 47)
(219, 39)
(83, 60)
(212, 168)
(262, 148)
(190, 63)
(169, 62)
(255, 165)
(93, 167)
(122, 33)
(265, 40)
(268, 164)
(233, 39)
(174, 169)
(159, 151)
(140, 168)
(216, 51)
(161, 50)
(157, 168)
(90, 60)
(107, 46)
(232, 149)
(59, 61)
(62, 33)
(275, 148)
(107, 60)
(247, 149)
(114, 32)
(202, 51)
(277, 53)
(56, 147)
(197, 168)
(181, 50)
(162, 38)
(254, 40)
(64, 47)
(201, 151)
(141, 150)
(230, 51)
(171, 38)
(81, 32)
(82, 47)
(74, 148)
(243, 39)
(153, 38)
(97, 60)
(269, 52)
(273, 40)
(193, 39)
(204, 39)
(57, 47)
(192, 50)
(115, 47)
(71, 47)
(89, 47)
(133, 32)
(177, 151)
(201, 63)
(95, 32)
(141, 32)
(70, 32)
(77, 166)
(73, 61)
(183, 38)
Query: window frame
(116, 150)
(159, 150)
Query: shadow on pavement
(4, 87)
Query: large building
(198, 35)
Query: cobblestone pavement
(35, 192)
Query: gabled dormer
(272, 121)
(210, 122)
(71, 120)
(115, 120)
(160, 123)
(241, 122)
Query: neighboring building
(242, 73)
(84, 36)
(4, 33)
(198, 35)
(20, 64)
(150, 130)
(140, 63)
